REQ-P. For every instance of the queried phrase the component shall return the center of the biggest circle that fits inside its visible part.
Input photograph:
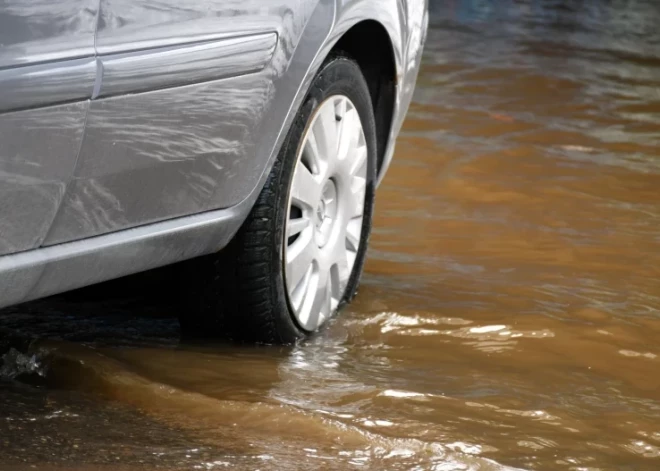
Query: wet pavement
(509, 315)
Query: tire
(241, 292)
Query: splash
(15, 363)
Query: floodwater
(509, 315)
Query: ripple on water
(509, 314)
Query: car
(246, 138)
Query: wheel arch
(370, 45)
(315, 45)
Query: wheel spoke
(358, 162)
(321, 304)
(352, 149)
(312, 155)
(305, 311)
(355, 197)
(340, 272)
(297, 225)
(299, 256)
(301, 292)
(305, 189)
(353, 230)
(326, 309)
(340, 108)
(325, 130)
(349, 129)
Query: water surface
(509, 315)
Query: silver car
(139, 133)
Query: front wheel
(298, 257)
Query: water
(509, 315)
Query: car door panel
(161, 154)
(36, 31)
(37, 157)
(47, 72)
(158, 154)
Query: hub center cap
(326, 213)
(320, 214)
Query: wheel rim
(325, 212)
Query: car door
(184, 89)
(47, 73)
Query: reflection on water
(509, 316)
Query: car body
(138, 133)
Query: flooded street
(509, 314)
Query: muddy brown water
(509, 315)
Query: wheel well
(369, 44)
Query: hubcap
(326, 206)
(326, 213)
